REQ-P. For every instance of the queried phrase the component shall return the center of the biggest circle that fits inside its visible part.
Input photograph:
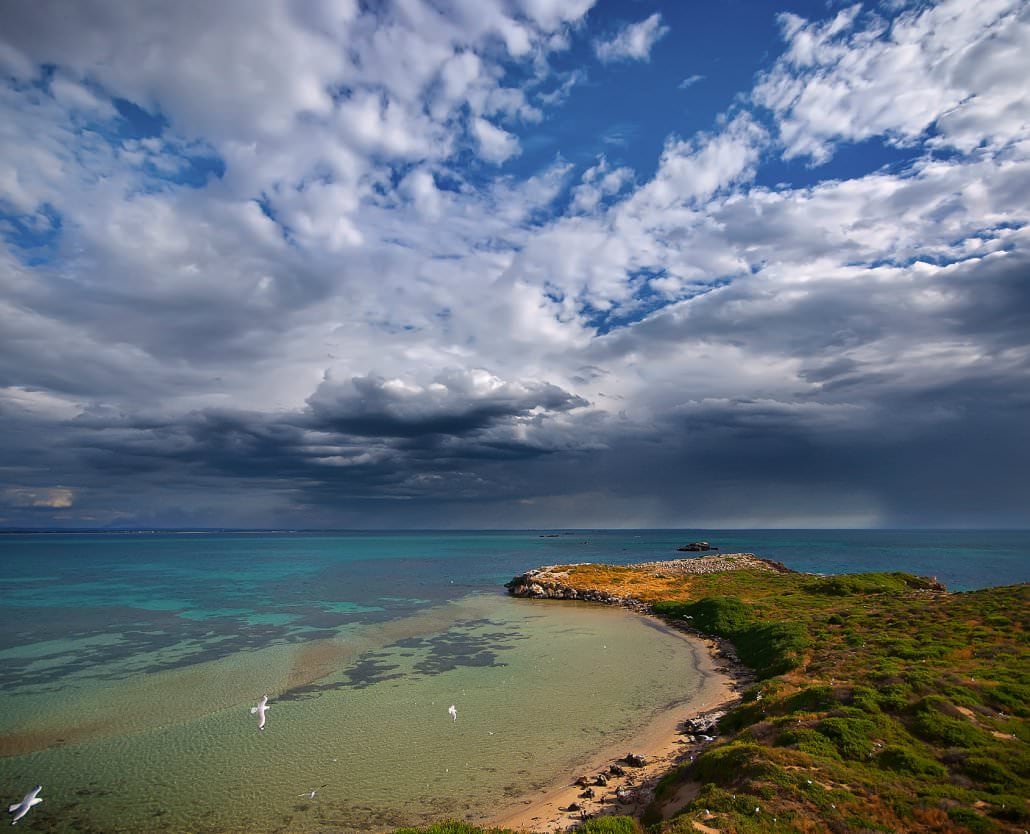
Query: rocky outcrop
(553, 582)
(696, 547)
(713, 563)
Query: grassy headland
(881, 702)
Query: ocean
(129, 662)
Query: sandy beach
(662, 743)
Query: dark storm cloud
(873, 429)
(456, 403)
(363, 440)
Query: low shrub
(1010, 807)
(989, 772)
(1014, 698)
(725, 764)
(771, 648)
(740, 717)
(611, 825)
(933, 724)
(721, 616)
(768, 648)
(904, 760)
(808, 741)
(852, 736)
(865, 698)
(970, 819)
(895, 697)
(865, 583)
(811, 699)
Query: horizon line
(291, 529)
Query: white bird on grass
(20, 809)
(452, 711)
(262, 705)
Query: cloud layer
(283, 269)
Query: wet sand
(660, 741)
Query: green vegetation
(768, 648)
(882, 703)
(611, 825)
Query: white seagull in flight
(20, 809)
(452, 711)
(260, 710)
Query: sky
(514, 263)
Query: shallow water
(538, 687)
(128, 664)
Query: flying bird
(262, 705)
(311, 794)
(452, 711)
(20, 809)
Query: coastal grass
(881, 702)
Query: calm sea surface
(128, 663)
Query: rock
(572, 808)
(625, 795)
(696, 547)
(616, 770)
(601, 781)
(582, 781)
(633, 760)
(557, 581)
(587, 794)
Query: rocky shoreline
(551, 582)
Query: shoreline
(662, 741)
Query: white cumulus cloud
(633, 42)
(495, 144)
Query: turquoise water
(128, 663)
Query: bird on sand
(20, 809)
(262, 705)
(452, 711)
(311, 794)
